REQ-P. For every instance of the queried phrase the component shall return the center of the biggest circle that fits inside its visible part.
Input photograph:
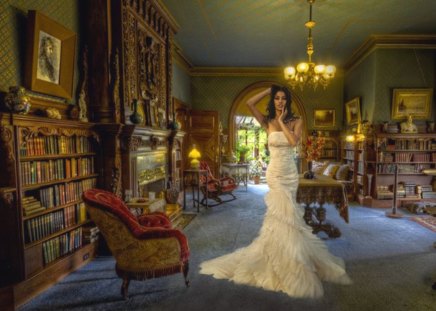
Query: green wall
(13, 24)
(218, 93)
(374, 79)
(181, 84)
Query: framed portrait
(324, 118)
(352, 111)
(50, 56)
(415, 102)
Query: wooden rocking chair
(216, 188)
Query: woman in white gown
(286, 256)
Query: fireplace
(144, 160)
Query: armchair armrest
(143, 233)
(155, 219)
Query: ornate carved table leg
(331, 230)
(308, 214)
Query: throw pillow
(331, 169)
(342, 172)
(319, 167)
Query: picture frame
(324, 118)
(352, 111)
(50, 56)
(415, 102)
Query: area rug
(183, 220)
(426, 221)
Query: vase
(309, 174)
(135, 117)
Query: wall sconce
(194, 154)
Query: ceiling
(271, 33)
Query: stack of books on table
(383, 193)
(90, 234)
(140, 206)
(427, 192)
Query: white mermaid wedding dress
(286, 256)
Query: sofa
(338, 171)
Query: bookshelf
(412, 154)
(49, 164)
(349, 157)
(330, 150)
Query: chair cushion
(342, 172)
(331, 169)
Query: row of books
(43, 171)
(62, 245)
(39, 227)
(411, 144)
(406, 190)
(402, 168)
(46, 145)
(64, 193)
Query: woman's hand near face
(282, 116)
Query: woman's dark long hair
(271, 109)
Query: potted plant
(242, 150)
(256, 170)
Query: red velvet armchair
(144, 247)
(216, 188)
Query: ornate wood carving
(7, 148)
(115, 85)
(7, 199)
(129, 58)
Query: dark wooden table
(191, 178)
(313, 194)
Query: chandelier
(309, 73)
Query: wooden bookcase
(331, 149)
(46, 166)
(349, 157)
(411, 153)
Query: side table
(239, 171)
(191, 178)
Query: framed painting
(324, 118)
(414, 102)
(50, 56)
(352, 111)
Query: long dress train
(286, 256)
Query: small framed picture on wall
(324, 118)
(352, 111)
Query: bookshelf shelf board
(56, 156)
(58, 181)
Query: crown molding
(389, 42)
(181, 59)
(237, 71)
(168, 16)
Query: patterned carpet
(183, 220)
(426, 221)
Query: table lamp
(194, 154)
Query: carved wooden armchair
(216, 188)
(144, 247)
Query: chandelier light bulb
(290, 72)
(302, 67)
(330, 69)
(319, 69)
